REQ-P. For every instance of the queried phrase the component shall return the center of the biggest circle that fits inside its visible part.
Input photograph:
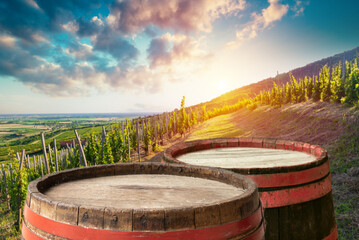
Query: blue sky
(144, 55)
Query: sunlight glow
(223, 86)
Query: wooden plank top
(149, 191)
(246, 157)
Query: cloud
(71, 26)
(33, 4)
(174, 49)
(114, 44)
(88, 28)
(139, 78)
(77, 69)
(23, 18)
(158, 52)
(298, 8)
(132, 16)
(274, 12)
(80, 51)
(14, 59)
(7, 41)
(67, 48)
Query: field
(19, 132)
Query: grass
(344, 155)
(7, 223)
(220, 126)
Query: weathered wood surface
(81, 148)
(143, 191)
(238, 157)
(47, 168)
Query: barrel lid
(248, 155)
(238, 157)
(149, 191)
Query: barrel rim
(170, 154)
(236, 208)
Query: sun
(222, 86)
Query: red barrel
(293, 180)
(143, 200)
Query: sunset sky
(86, 56)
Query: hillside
(310, 69)
(332, 126)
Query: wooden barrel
(143, 200)
(293, 181)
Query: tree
(301, 91)
(338, 86)
(352, 88)
(309, 87)
(92, 150)
(188, 123)
(194, 117)
(204, 113)
(317, 89)
(327, 91)
(147, 141)
(175, 122)
(275, 96)
(183, 117)
(288, 93)
(296, 89)
(107, 152)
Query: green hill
(266, 84)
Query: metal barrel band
(285, 197)
(258, 233)
(291, 178)
(333, 235)
(77, 232)
(27, 234)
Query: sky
(89, 56)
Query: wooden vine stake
(138, 142)
(41, 163)
(45, 154)
(22, 159)
(103, 139)
(143, 130)
(50, 156)
(34, 160)
(55, 152)
(155, 131)
(166, 122)
(81, 148)
(128, 141)
(18, 156)
(20, 183)
(28, 161)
